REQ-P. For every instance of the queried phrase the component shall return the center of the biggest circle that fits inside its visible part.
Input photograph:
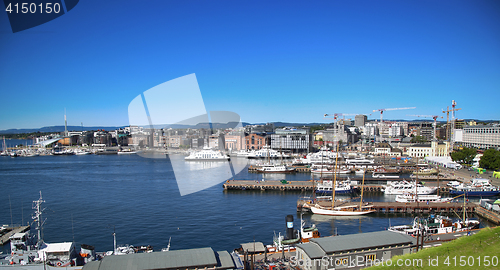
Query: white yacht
(267, 152)
(341, 187)
(275, 168)
(207, 154)
(409, 198)
(403, 187)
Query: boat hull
(475, 193)
(346, 191)
(319, 211)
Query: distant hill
(54, 129)
(198, 126)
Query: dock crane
(435, 117)
(447, 111)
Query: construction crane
(435, 117)
(447, 111)
(391, 109)
(335, 119)
(381, 118)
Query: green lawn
(478, 251)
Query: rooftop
(319, 247)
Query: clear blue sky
(267, 61)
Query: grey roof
(93, 265)
(312, 250)
(421, 145)
(225, 260)
(249, 247)
(188, 258)
(359, 241)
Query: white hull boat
(351, 210)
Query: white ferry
(403, 187)
(207, 154)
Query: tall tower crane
(381, 116)
(435, 117)
(447, 111)
(391, 109)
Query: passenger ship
(207, 154)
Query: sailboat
(347, 210)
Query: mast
(38, 218)
(335, 176)
(362, 189)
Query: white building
(481, 136)
(292, 139)
(432, 149)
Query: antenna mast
(38, 218)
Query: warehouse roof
(188, 258)
(352, 242)
(253, 247)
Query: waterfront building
(479, 136)
(199, 258)
(174, 141)
(291, 139)
(234, 141)
(360, 120)
(385, 149)
(433, 149)
(353, 251)
(255, 141)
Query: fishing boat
(434, 225)
(411, 197)
(403, 187)
(32, 250)
(207, 154)
(478, 187)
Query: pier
(5, 237)
(282, 185)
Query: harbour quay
(282, 185)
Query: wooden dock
(5, 237)
(487, 214)
(268, 185)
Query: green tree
(418, 139)
(464, 156)
(490, 159)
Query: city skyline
(280, 61)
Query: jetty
(5, 238)
(285, 185)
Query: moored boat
(207, 154)
(403, 187)
(409, 198)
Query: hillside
(478, 251)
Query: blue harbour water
(87, 197)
